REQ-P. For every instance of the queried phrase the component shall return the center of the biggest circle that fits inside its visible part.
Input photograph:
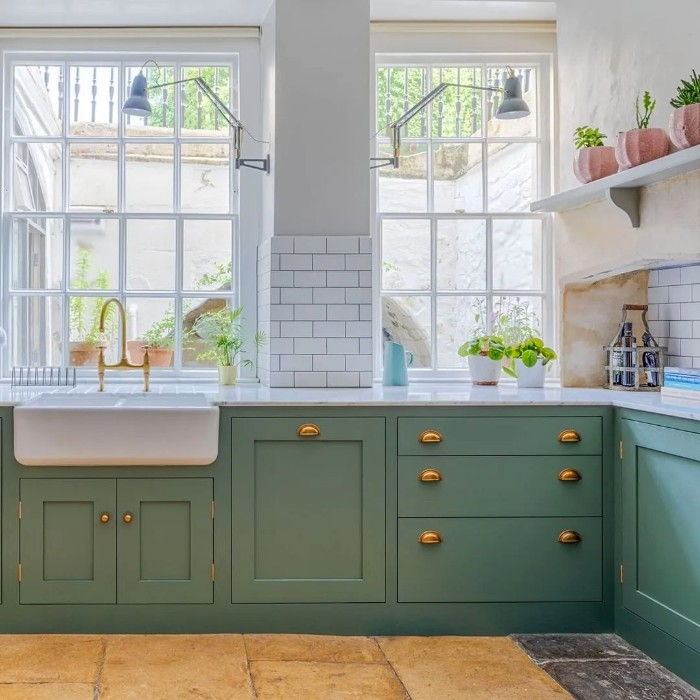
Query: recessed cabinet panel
(498, 560)
(661, 535)
(67, 541)
(308, 510)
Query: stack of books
(682, 382)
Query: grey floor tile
(550, 647)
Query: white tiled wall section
(315, 304)
(674, 313)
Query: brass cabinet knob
(430, 537)
(569, 475)
(569, 436)
(430, 475)
(430, 436)
(308, 430)
(569, 537)
(104, 518)
(128, 517)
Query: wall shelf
(623, 189)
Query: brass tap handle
(430, 475)
(428, 436)
(104, 518)
(308, 430)
(430, 537)
(128, 517)
(569, 537)
(569, 436)
(569, 475)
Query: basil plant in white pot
(222, 331)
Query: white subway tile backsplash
(283, 380)
(343, 244)
(309, 279)
(310, 312)
(329, 262)
(296, 262)
(658, 295)
(282, 279)
(282, 312)
(330, 363)
(669, 276)
(690, 347)
(366, 346)
(653, 312)
(358, 329)
(690, 275)
(296, 363)
(365, 312)
(329, 329)
(365, 378)
(343, 312)
(342, 279)
(311, 346)
(653, 278)
(275, 261)
(343, 379)
(670, 312)
(673, 345)
(275, 296)
(659, 329)
(310, 379)
(274, 329)
(296, 295)
(680, 293)
(358, 295)
(297, 329)
(326, 295)
(365, 279)
(694, 292)
(680, 329)
(690, 312)
(343, 346)
(281, 346)
(282, 244)
(310, 244)
(358, 262)
(365, 244)
(358, 363)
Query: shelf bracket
(627, 199)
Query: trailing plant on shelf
(642, 144)
(588, 137)
(684, 127)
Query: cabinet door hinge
(19, 573)
(622, 573)
(19, 511)
(213, 510)
(622, 449)
(213, 572)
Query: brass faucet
(123, 361)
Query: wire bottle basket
(634, 367)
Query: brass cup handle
(128, 517)
(569, 475)
(104, 518)
(569, 537)
(569, 436)
(430, 537)
(430, 436)
(430, 475)
(308, 430)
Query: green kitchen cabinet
(660, 485)
(308, 510)
(116, 540)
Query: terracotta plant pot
(83, 354)
(684, 128)
(641, 146)
(158, 357)
(594, 163)
(227, 375)
(484, 371)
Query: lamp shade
(513, 105)
(137, 104)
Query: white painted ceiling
(119, 13)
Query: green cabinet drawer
(501, 436)
(485, 487)
(493, 560)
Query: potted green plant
(684, 128)
(642, 144)
(529, 362)
(84, 314)
(223, 333)
(594, 159)
(160, 339)
(484, 354)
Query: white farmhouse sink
(76, 430)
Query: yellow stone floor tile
(47, 691)
(310, 647)
(477, 668)
(303, 680)
(176, 667)
(50, 658)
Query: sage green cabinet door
(165, 553)
(661, 528)
(308, 512)
(67, 541)
(499, 560)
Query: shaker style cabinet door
(67, 541)
(308, 510)
(661, 528)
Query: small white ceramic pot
(484, 371)
(530, 377)
(227, 375)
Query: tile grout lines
(250, 670)
(103, 660)
(393, 670)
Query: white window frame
(196, 47)
(544, 138)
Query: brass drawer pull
(308, 430)
(430, 475)
(104, 518)
(430, 436)
(430, 537)
(569, 436)
(569, 537)
(128, 517)
(569, 475)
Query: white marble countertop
(415, 395)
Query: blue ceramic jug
(397, 360)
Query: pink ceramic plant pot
(684, 128)
(641, 146)
(593, 163)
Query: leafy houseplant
(684, 128)
(223, 333)
(594, 159)
(642, 144)
(529, 362)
